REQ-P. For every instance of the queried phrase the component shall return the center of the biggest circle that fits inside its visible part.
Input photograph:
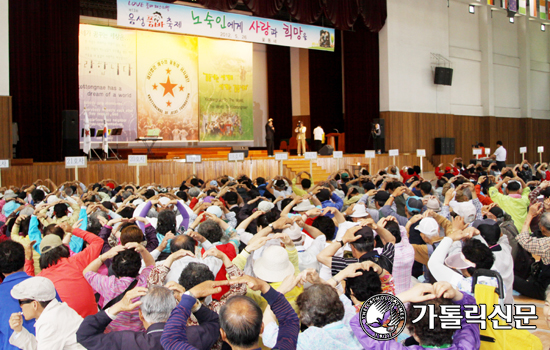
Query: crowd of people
(224, 124)
(270, 262)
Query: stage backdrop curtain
(279, 91)
(374, 13)
(362, 86)
(43, 72)
(220, 5)
(342, 13)
(305, 11)
(325, 88)
(264, 8)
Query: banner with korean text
(225, 85)
(180, 19)
(167, 87)
(107, 79)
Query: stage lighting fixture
(472, 9)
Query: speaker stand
(114, 154)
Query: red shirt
(68, 279)
(440, 173)
(230, 251)
(406, 175)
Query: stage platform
(180, 153)
(171, 172)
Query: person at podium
(300, 139)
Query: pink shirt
(109, 287)
(402, 263)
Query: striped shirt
(384, 259)
(175, 332)
(109, 287)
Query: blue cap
(9, 207)
(414, 204)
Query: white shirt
(504, 264)
(326, 272)
(307, 256)
(318, 133)
(284, 193)
(55, 330)
(500, 154)
(214, 264)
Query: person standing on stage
(318, 135)
(301, 139)
(270, 137)
(500, 156)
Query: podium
(331, 140)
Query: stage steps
(295, 166)
(319, 174)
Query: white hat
(266, 206)
(294, 232)
(304, 206)
(9, 194)
(44, 188)
(433, 204)
(458, 261)
(429, 227)
(34, 288)
(27, 211)
(52, 199)
(467, 210)
(274, 265)
(359, 211)
(214, 209)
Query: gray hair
(210, 230)
(126, 194)
(93, 220)
(320, 305)
(68, 191)
(467, 193)
(158, 304)
(545, 220)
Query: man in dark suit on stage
(270, 137)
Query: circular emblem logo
(168, 87)
(383, 317)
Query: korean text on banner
(180, 19)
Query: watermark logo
(383, 317)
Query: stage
(171, 172)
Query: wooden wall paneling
(408, 131)
(541, 137)
(5, 125)
(172, 173)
